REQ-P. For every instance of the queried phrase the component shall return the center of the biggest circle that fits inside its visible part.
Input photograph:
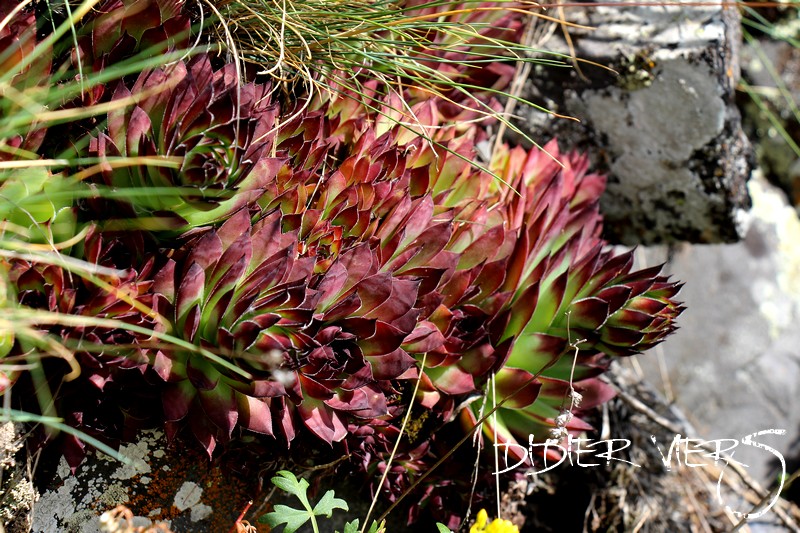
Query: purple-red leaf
(322, 420)
(177, 399)
(331, 285)
(594, 392)
(402, 299)
(520, 386)
(524, 308)
(205, 433)
(254, 414)
(536, 351)
(588, 313)
(190, 291)
(426, 337)
(386, 339)
(390, 365)
(202, 373)
(206, 251)
(451, 379)
(483, 249)
(364, 402)
(220, 406)
(628, 318)
(164, 281)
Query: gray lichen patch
(200, 512)
(10, 444)
(100, 483)
(660, 142)
(650, 124)
(55, 507)
(176, 485)
(114, 495)
(138, 453)
(17, 493)
(188, 495)
(80, 522)
(663, 126)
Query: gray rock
(665, 127)
(173, 484)
(74, 502)
(17, 493)
(734, 366)
(169, 484)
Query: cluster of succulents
(298, 269)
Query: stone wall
(663, 123)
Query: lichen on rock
(17, 493)
(167, 484)
(661, 120)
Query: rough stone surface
(734, 367)
(665, 127)
(17, 493)
(175, 485)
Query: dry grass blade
(645, 413)
(414, 49)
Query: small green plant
(295, 518)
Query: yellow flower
(498, 525)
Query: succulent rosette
(298, 270)
(119, 28)
(8, 374)
(117, 31)
(98, 367)
(514, 277)
(36, 201)
(511, 269)
(574, 305)
(24, 66)
(25, 63)
(354, 254)
(39, 204)
(319, 308)
(303, 344)
(212, 135)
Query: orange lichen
(223, 492)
